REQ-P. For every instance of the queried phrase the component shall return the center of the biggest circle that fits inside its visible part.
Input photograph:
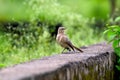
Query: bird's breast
(61, 40)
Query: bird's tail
(77, 49)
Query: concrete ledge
(96, 63)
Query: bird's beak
(64, 28)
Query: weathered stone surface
(96, 63)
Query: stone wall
(96, 63)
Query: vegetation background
(28, 27)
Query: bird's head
(61, 30)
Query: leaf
(117, 19)
(116, 28)
(118, 67)
(118, 61)
(111, 35)
(117, 51)
(109, 32)
(106, 31)
(115, 43)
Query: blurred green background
(28, 27)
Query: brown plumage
(63, 40)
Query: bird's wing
(68, 42)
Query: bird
(64, 41)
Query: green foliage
(92, 8)
(25, 36)
(24, 43)
(113, 33)
(10, 54)
(9, 10)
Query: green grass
(12, 55)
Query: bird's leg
(63, 50)
(73, 49)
